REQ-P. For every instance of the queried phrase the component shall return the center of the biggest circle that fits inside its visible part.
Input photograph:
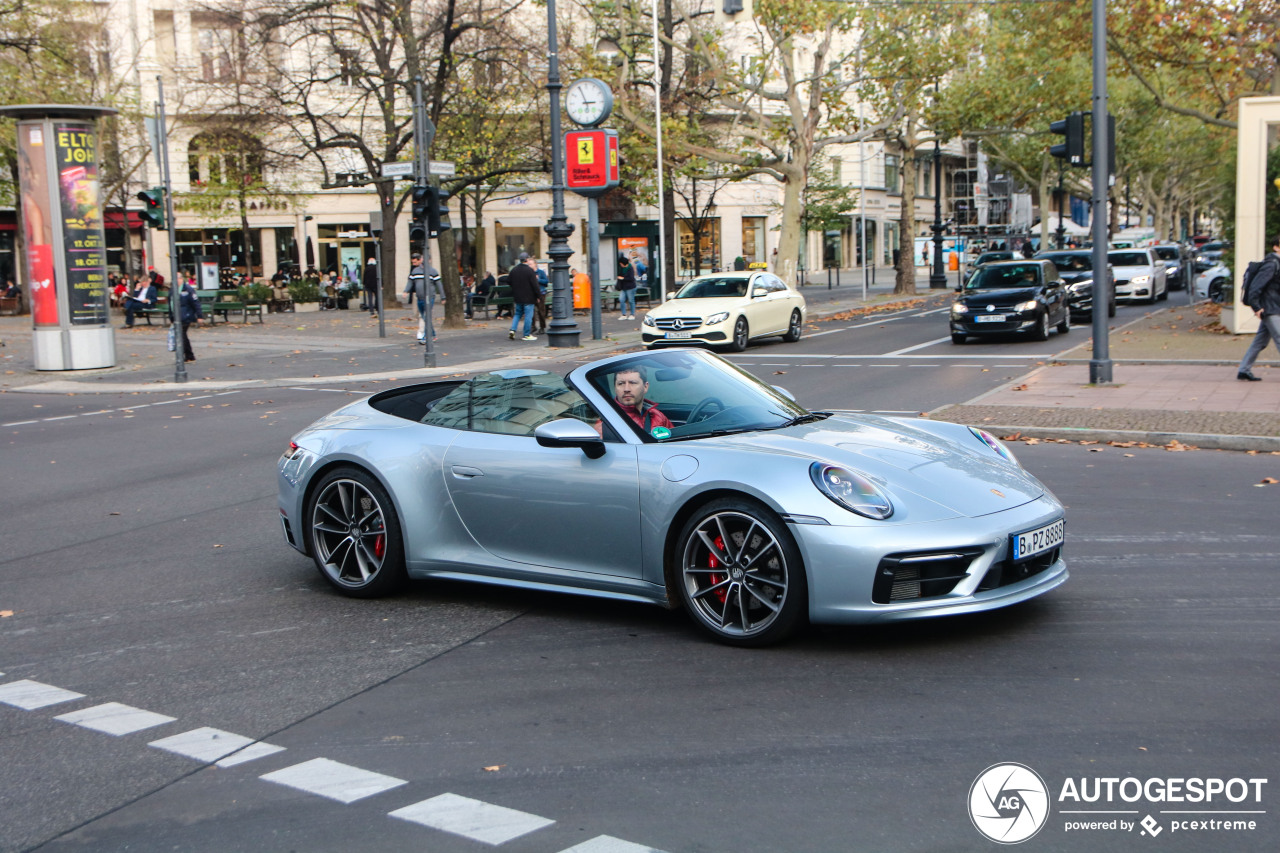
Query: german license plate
(989, 318)
(679, 335)
(1024, 546)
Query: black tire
(761, 575)
(1215, 290)
(1065, 325)
(958, 337)
(1151, 300)
(1164, 294)
(1111, 309)
(794, 328)
(741, 334)
(1041, 331)
(354, 534)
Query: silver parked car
(1139, 274)
(671, 477)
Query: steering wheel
(700, 413)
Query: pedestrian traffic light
(438, 212)
(1072, 150)
(419, 210)
(153, 207)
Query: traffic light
(438, 212)
(1072, 150)
(153, 207)
(419, 209)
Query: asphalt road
(144, 566)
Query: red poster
(37, 224)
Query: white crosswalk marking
(333, 780)
(250, 753)
(209, 744)
(114, 718)
(30, 695)
(609, 844)
(472, 818)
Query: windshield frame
(595, 381)
(992, 271)
(1144, 260)
(685, 292)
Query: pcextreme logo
(1009, 803)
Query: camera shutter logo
(1008, 803)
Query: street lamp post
(562, 331)
(937, 277)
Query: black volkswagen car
(1024, 297)
(1076, 268)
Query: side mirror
(569, 432)
(757, 292)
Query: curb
(1202, 441)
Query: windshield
(1167, 253)
(1129, 259)
(683, 394)
(713, 287)
(1070, 261)
(988, 257)
(1005, 276)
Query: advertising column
(65, 243)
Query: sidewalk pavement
(1174, 368)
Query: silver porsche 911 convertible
(670, 477)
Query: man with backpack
(1262, 294)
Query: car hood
(697, 307)
(999, 296)
(1072, 278)
(969, 481)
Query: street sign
(442, 168)
(591, 161)
(397, 170)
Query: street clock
(588, 101)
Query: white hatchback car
(1138, 274)
(727, 309)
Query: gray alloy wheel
(1065, 325)
(740, 574)
(355, 536)
(1041, 331)
(793, 329)
(741, 334)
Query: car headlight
(1080, 286)
(1026, 306)
(852, 491)
(1140, 279)
(959, 308)
(1171, 271)
(648, 321)
(995, 444)
(718, 317)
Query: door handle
(464, 472)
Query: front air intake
(928, 574)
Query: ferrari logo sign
(591, 161)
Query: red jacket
(646, 416)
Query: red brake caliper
(723, 592)
(380, 546)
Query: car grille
(907, 577)
(1003, 574)
(678, 324)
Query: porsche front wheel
(740, 574)
(355, 535)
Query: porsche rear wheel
(740, 574)
(355, 535)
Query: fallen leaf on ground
(5, 614)
(494, 768)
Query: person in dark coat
(523, 281)
(190, 311)
(626, 287)
(372, 287)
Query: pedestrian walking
(523, 281)
(424, 286)
(189, 310)
(1262, 295)
(372, 287)
(626, 288)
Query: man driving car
(629, 388)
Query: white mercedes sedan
(727, 310)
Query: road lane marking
(114, 718)
(472, 819)
(333, 780)
(250, 753)
(30, 695)
(609, 844)
(919, 346)
(209, 745)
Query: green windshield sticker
(660, 432)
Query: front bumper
(1024, 321)
(713, 336)
(843, 565)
